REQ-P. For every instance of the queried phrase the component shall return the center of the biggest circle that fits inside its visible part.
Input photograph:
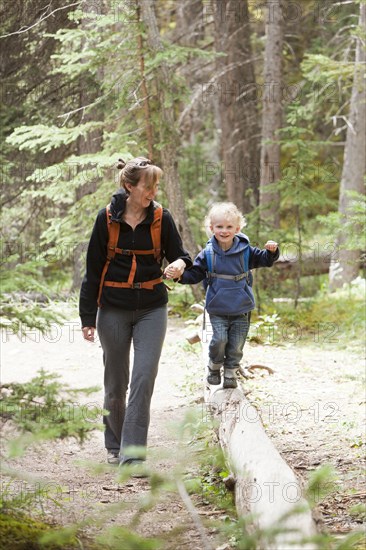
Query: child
(225, 265)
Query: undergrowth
(41, 409)
(45, 408)
(325, 318)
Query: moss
(20, 532)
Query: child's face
(224, 230)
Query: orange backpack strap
(156, 231)
(113, 234)
(112, 250)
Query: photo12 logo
(270, 12)
(52, 335)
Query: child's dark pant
(228, 339)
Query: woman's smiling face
(142, 194)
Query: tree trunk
(347, 267)
(91, 143)
(146, 103)
(271, 114)
(167, 130)
(189, 22)
(236, 87)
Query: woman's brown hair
(133, 170)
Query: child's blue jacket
(227, 296)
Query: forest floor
(312, 406)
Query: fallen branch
(252, 368)
(315, 263)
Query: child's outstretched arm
(271, 246)
(265, 257)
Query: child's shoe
(214, 377)
(230, 381)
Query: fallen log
(288, 266)
(266, 488)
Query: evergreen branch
(32, 215)
(45, 138)
(12, 198)
(92, 104)
(43, 18)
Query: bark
(167, 130)
(347, 268)
(311, 264)
(188, 32)
(146, 103)
(235, 84)
(91, 143)
(271, 114)
(190, 22)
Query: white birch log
(266, 487)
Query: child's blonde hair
(226, 211)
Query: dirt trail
(64, 464)
(312, 406)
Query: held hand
(271, 246)
(175, 269)
(88, 333)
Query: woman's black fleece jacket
(119, 268)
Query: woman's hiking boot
(113, 457)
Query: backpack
(112, 250)
(220, 299)
(210, 260)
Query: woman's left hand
(175, 269)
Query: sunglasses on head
(143, 163)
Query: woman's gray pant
(117, 329)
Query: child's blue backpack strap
(210, 261)
(209, 257)
(246, 259)
(249, 275)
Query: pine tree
(354, 168)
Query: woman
(132, 302)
